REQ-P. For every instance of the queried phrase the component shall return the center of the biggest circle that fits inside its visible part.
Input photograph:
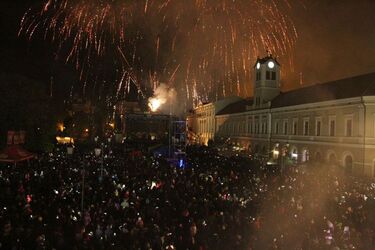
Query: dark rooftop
(340, 89)
(236, 107)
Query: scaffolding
(178, 142)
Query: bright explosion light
(154, 104)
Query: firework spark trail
(211, 42)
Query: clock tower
(267, 80)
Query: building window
(318, 127)
(277, 128)
(305, 127)
(259, 127)
(332, 127)
(258, 76)
(349, 127)
(268, 75)
(266, 127)
(285, 127)
(257, 101)
(273, 75)
(295, 127)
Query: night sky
(336, 39)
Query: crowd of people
(214, 202)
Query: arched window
(348, 164)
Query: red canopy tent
(14, 152)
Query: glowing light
(276, 153)
(154, 104)
(271, 65)
(86, 130)
(60, 127)
(64, 140)
(258, 65)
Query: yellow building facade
(330, 122)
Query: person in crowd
(215, 202)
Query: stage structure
(178, 142)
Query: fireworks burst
(203, 48)
(154, 104)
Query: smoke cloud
(164, 100)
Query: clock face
(271, 65)
(258, 65)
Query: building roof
(356, 86)
(236, 107)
